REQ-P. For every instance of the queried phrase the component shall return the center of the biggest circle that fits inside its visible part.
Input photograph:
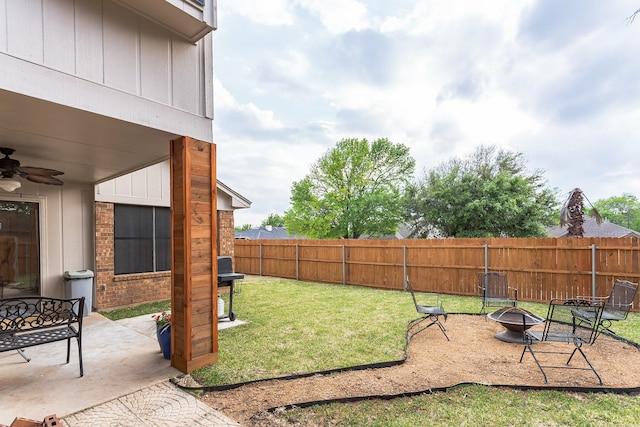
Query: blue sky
(556, 80)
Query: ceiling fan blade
(10, 167)
(30, 170)
(41, 179)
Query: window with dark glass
(142, 239)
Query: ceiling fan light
(9, 184)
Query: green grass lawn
(297, 327)
(138, 310)
(477, 405)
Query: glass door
(19, 249)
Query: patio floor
(120, 358)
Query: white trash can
(80, 284)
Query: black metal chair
(495, 291)
(565, 323)
(429, 313)
(616, 306)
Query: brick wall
(125, 289)
(130, 289)
(226, 234)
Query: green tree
(274, 220)
(355, 188)
(622, 210)
(487, 194)
(243, 227)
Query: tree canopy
(354, 189)
(621, 210)
(243, 227)
(274, 220)
(486, 194)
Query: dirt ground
(473, 355)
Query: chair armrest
(575, 301)
(630, 305)
(585, 315)
(590, 298)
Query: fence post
(261, 259)
(486, 258)
(593, 272)
(404, 268)
(344, 266)
(297, 263)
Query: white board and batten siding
(103, 42)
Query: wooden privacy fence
(541, 269)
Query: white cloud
(288, 71)
(272, 12)
(493, 119)
(247, 115)
(446, 17)
(338, 16)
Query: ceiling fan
(9, 168)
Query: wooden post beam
(194, 267)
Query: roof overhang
(189, 19)
(238, 201)
(89, 146)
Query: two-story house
(98, 89)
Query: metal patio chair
(430, 313)
(495, 291)
(565, 323)
(616, 306)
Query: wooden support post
(194, 267)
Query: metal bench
(32, 321)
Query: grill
(226, 277)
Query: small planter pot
(164, 339)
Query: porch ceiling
(87, 147)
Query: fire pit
(512, 319)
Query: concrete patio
(120, 358)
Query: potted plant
(163, 332)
